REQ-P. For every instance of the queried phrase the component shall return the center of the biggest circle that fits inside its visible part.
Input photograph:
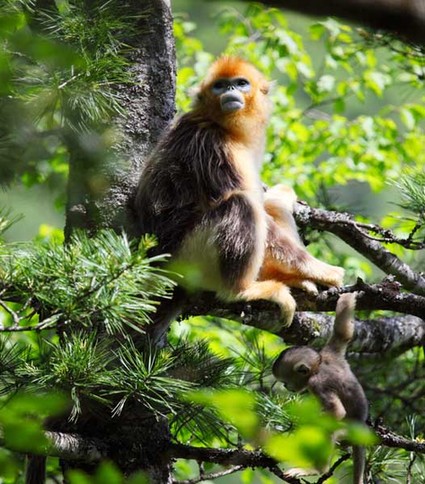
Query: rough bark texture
(405, 18)
(149, 104)
(391, 335)
(137, 441)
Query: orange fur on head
(257, 108)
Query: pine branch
(390, 439)
(357, 237)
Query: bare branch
(213, 475)
(390, 439)
(324, 477)
(342, 225)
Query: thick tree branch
(226, 457)
(401, 17)
(390, 334)
(356, 236)
(76, 448)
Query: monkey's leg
(239, 230)
(268, 272)
(168, 310)
(280, 196)
(291, 259)
(304, 284)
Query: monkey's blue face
(231, 92)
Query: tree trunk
(100, 193)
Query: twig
(388, 237)
(48, 323)
(11, 312)
(330, 472)
(212, 475)
(341, 224)
(412, 459)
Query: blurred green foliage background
(347, 133)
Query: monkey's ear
(302, 368)
(266, 87)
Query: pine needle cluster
(80, 303)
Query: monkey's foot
(332, 276)
(272, 291)
(304, 284)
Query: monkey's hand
(299, 472)
(281, 196)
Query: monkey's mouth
(231, 102)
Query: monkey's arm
(286, 259)
(330, 400)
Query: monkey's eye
(242, 82)
(302, 369)
(219, 86)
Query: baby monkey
(327, 375)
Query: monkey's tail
(359, 458)
(36, 469)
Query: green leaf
(309, 447)
(359, 434)
(326, 83)
(317, 31)
(235, 406)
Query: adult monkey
(200, 193)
